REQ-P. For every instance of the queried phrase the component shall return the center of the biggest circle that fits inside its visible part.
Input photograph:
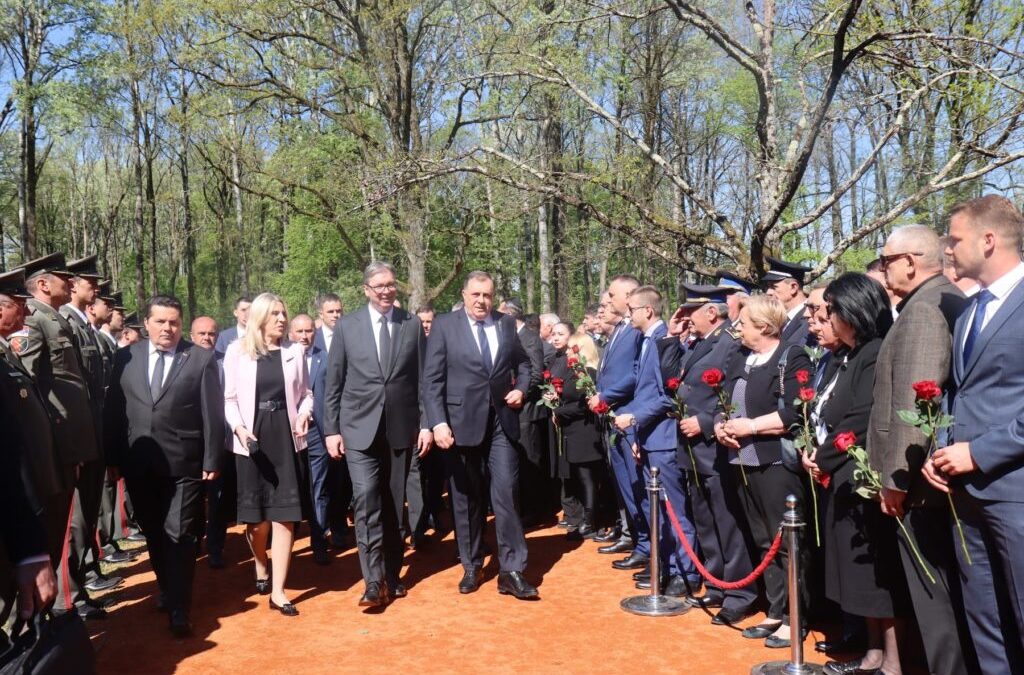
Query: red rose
(712, 377)
(572, 361)
(672, 383)
(547, 374)
(807, 394)
(825, 480)
(927, 390)
(845, 440)
(803, 376)
(601, 408)
(558, 383)
(575, 349)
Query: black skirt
(273, 485)
(863, 570)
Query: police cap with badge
(780, 270)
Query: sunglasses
(886, 260)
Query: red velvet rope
(724, 585)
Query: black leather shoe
(119, 557)
(773, 642)
(471, 580)
(90, 612)
(730, 616)
(676, 587)
(759, 632)
(635, 561)
(707, 602)
(321, 557)
(376, 595)
(643, 575)
(849, 668)
(847, 645)
(103, 583)
(180, 625)
(398, 589)
(621, 546)
(611, 534)
(288, 609)
(563, 523)
(514, 583)
(135, 537)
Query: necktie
(385, 344)
(157, 383)
(984, 297)
(485, 347)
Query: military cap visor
(53, 263)
(85, 268)
(12, 284)
(778, 270)
(733, 283)
(697, 296)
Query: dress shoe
(730, 616)
(707, 602)
(759, 632)
(103, 583)
(288, 609)
(848, 644)
(215, 560)
(321, 557)
(635, 561)
(103, 603)
(90, 612)
(849, 668)
(643, 575)
(180, 625)
(514, 583)
(610, 534)
(621, 546)
(563, 523)
(398, 589)
(471, 580)
(135, 537)
(677, 587)
(376, 595)
(263, 586)
(119, 557)
(775, 642)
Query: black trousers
(497, 456)
(424, 490)
(378, 496)
(721, 526)
(169, 509)
(764, 502)
(583, 486)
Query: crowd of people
(887, 402)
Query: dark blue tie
(820, 372)
(983, 298)
(485, 347)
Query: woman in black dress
(863, 572)
(581, 449)
(268, 404)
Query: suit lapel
(503, 342)
(1009, 306)
(398, 320)
(177, 363)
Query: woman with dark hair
(861, 560)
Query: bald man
(204, 332)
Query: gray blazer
(358, 391)
(918, 347)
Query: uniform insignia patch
(18, 344)
(23, 393)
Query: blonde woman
(268, 404)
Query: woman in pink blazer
(268, 404)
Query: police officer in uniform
(785, 281)
(40, 467)
(49, 350)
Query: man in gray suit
(983, 467)
(918, 347)
(371, 416)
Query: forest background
(211, 148)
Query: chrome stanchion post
(654, 603)
(792, 528)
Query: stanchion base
(786, 668)
(654, 605)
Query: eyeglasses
(383, 288)
(632, 309)
(886, 260)
(812, 308)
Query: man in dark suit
(329, 310)
(919, 347)
(229, 335)
(330, 508)
(164, 431)
(616, 384)
(785, 281)
(372, 417)
(983, 466)
(475, 379)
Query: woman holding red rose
(754, 432)
(581, 461)
(862, 568)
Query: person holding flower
(581, 460)
(764, 412)
(913, 365)
(861, 560)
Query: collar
(903, 303)
(796, 311)
(1002, 286)
(376, 315)
(488, 320)
(239, 329)
(152, 349)
(650, 329)
(79, 312)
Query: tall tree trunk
(236, 190)
(186, 202)
(28, 178)
(138, 216)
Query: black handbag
(49, 645)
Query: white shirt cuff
(32, 559)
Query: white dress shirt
(1001, 289)
(490, 330)
(328, 334)
(795, 312)
(168, 359)
(647, 334)
(375, 318)
(79, 312)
